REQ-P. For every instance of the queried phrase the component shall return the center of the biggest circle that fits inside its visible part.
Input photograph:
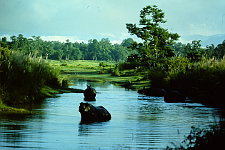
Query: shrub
(203, 139)
(103, 64)
(202, 80)
(116, 71)
(23, 76)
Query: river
(138, 122)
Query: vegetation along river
(138, 122)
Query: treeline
(93, 50)
(196, 52)
(189, 69)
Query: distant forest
(102, 50)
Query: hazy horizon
(81, 20)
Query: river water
(138, 122)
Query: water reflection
(138, 122)
(88, 129)
(11, 131)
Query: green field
(92, 71)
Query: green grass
(203, 81)
(26, 80)
(22, 77)
(90, 70)
(4, 109)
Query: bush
(203, 139)
(157, 78)
(116, 71)
(23, 76)
(103, 64)
(202, 80)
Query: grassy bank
(7, 109)
(203, 81)
(99, 71)
(25, 80)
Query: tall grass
(23, 77)
(203, 80)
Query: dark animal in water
(90, 113)
(89, 94)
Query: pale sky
(82, 20)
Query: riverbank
(98, 71)
(26, 80)
(193, 80)
(46, 92)
(4, 109)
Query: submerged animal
(90, 113)
(89, 93)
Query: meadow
(100, 71)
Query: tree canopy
(93, 50)
(156, 41)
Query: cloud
(88, 19)
(194, 16)
(203, 29)
(5, 35)
(62, 38)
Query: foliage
(22, 77)
(93, 50)
(133, 62)
(116, 71)
(219, 51)
(207, 139)
(195, 52)
(157, 41)
(203, 80)
(192, 50)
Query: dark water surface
(138, 122)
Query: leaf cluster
(22, 76)
(156, 41)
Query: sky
(81, 20)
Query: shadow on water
(13, 129)
(138, 122)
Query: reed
(203, 80)
(23, 77)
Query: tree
(179, 49)
(193, 50)
(93, 50)
(209, 51)
(4, 39)
(127, 42)
(105, 47)
(157, 41)
(3, 42)
(93, 46)
(219, 51)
